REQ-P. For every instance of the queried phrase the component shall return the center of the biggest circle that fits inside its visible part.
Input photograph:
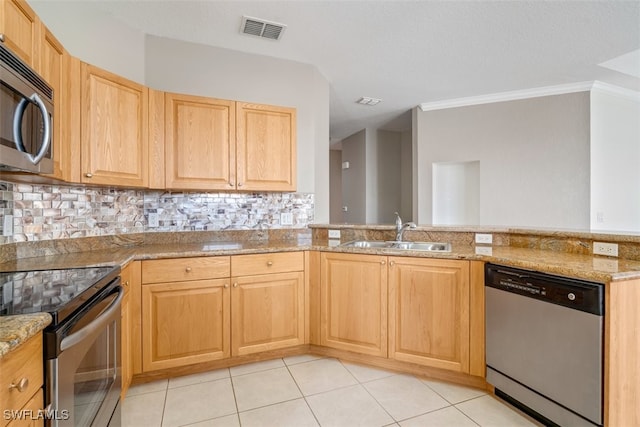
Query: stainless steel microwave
(26, 117)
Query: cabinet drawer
(23, 365)
(181, 269)
(282, 262)
(32, 407)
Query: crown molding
(530, 93)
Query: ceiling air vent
(261, 28)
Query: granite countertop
(595, 268)
(14, 330)
(17, 329)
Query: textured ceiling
(411, 52)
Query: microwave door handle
(17, 125)
(96, 324)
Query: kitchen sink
(409, 246)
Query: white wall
(94, 37)
(615, 162)
(456, 193)
(177, 66)
(533, 153)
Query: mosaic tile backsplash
(46, 212)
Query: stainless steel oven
(81, 346)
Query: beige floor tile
(489, 412)
(292, 360)
(256, 367)
(143, 410)
(264, 388)
(454, 393)
(367, 373)
(294, 413)
(404, 396)
(198, 402)
(446, 417)
(321, 375)
(203, 377)
(226, 421)
(147, 388)
(349, 406)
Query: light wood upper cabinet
(53, 66)
(19, 27)
(114, 129)
(200, 142)
(266, 148)
(429, 312)
(353, 308)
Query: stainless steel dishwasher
(544, 344)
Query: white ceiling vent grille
(261, 28)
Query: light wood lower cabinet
(268, 312)
(353, 307)
(429, 312)
(21, 379)
(208, 308)
(185, 311)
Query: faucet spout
(402, 229)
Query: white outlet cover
(334, 234)
(7, 225)
(486, 239)
(154, 220)
(286, 218)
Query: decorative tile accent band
(45, 212)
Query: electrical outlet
(7, 225)
(608, 249)
(286, 218)
(484, 250)
(486, 239)
(154, 221)
(334, 234)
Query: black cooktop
(58, 292)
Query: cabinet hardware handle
(2, 37)
(21, 386)
(188, 269)
(226, 285)
(269, 263)
(230, 183)
(126, 283)
(239, 184)
(383, 262)
(235, 285)
(392, 263)
(88, 175)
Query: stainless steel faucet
(400, 227)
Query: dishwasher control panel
(577, 294)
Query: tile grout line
(315, 417)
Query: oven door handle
(96, 324)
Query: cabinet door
(19, 26)
(200, 142)
(52, 66)
(268, 312)
(114, 129)
(353, 293)
(266, 159)
(429, 312)
(185, 323)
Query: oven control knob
(571, 296)
(21, 386)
